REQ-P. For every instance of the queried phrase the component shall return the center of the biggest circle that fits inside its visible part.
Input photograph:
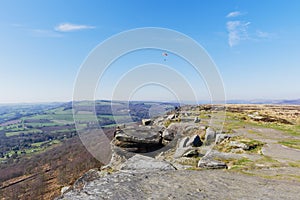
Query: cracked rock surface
(184, 184)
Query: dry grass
(247, 164)
(190, 161)
(292, 143)
(255, 146)
(294, 164)
(169, 121)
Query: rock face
(87, 177)
(190, 129)
(169, 134)
(195, 141)
(186, 147)
(172, 116)
(221, 137)
(139, 162)
(196, 120)
(209, 162)
(180, 152)
(64, 189)
(175, 129)
(191, 153)
(146, 122)
(239, 145)
(119, 156)
(183, 142)
(182, 147)
(184, 184)
(159, 121)
(210, 135)
(139, 138)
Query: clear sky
(255, 44)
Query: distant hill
(266, 101)
(295, 101)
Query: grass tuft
(292, 143)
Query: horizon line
(229, 101)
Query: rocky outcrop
(197, 120)
(170, 132)
(171, 116)
(209, 162)
(221, 137)
(119, 156)
(139, 138)
(239, 145)
(162, 174)
(182, 147)
(159, 121)
(146, 122)
(210, 135)
(139, 162)
(184, 184)
(178, 129)
(187, 147)
(89, 176)
(191, 153)
(195, 141)
(64, 189)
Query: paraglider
(165, 54)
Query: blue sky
(255, 44)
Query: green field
(10, 134)
(39, 144)
(28, 129)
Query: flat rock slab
(210, 163)
(185, 184)
(222, 155)
(140, 134)
(272, 148)
(139, 162)
(281, 153)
